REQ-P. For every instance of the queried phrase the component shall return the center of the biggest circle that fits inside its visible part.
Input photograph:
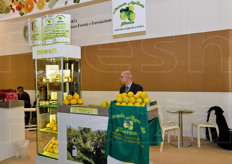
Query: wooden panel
(17, 70)
(196, 62)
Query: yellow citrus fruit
(51, 125)
(130, 104)
(143, 104)
(80, 101)
(50, 146)
(119, 99)
(104, 104)
(66, 102)
(52, 150)
(41, 4)
(124, 95)
(137, 95)
(69, 97)
(29, 6)
(124, 104)
(143, 95)
(137, 104)
(146, 100)
(130, 94)
(53, 79)
(139, 100)
(117, 103)
(132, 100)
(56, 142)
(48, 125)
(73, 102)
(54, 128)
(125, 100)
(119, 95)
(76, 96)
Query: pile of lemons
(129, 99)
(52, 125)
(73, 100)
(53, 147)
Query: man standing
(27, 103)
(24, 96)
(126, 79)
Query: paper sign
(84, 110)
(128, 16)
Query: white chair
(203, 124)
(166, 126)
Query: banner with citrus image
(129, 17)
(10, 9)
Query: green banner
(128, 134)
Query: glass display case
(57, 73)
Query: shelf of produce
(53, 82)
(47, 130)
(48, 106)
(48, 154)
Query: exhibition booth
(181, 58)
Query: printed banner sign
(128, 16)
(10, 9)
(128, 134)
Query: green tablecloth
(129, 134)
(155, 132)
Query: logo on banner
(128, 16)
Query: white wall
(200, 102)
(164, 18)
(12, 40)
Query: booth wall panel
(17, 70)
(195, 63)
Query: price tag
(84, 110)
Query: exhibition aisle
(208, 153)
(30, 159)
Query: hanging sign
(10, 9)
(129, 18)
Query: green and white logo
(128, 16)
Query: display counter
(11, 127)
(82, 134)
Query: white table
(11, 130)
